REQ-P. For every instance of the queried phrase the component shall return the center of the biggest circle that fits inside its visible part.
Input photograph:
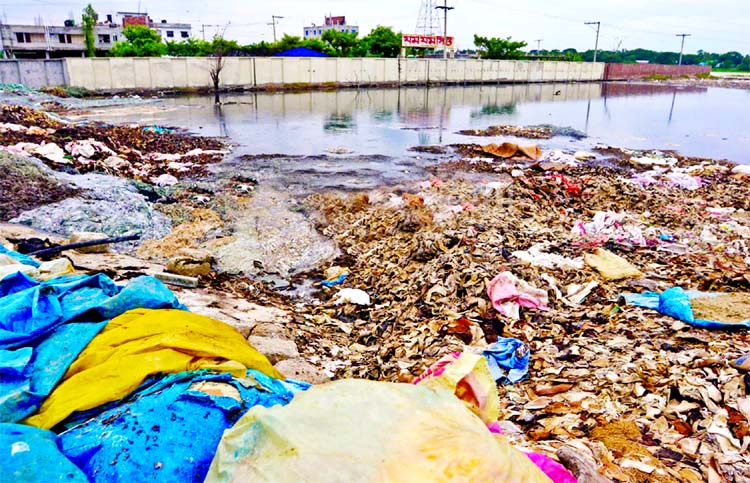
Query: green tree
(88, 22)
(340, 44)
(496, 48)
(190, 48)
(141, 42)
(380, 42)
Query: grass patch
(657, 77)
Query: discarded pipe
(73, 246)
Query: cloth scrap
(508, 293)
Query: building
(44, 41)
(331, 23)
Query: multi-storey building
(331, 23)
(45, 41)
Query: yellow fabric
(611, 266)
(141, 343)
(365, 431)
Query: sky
(715, 26)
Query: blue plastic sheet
(25, 259)
(336, 281)
(166, 430)
(508, 360)
(31, 454)
(39, 308)
(30, 373)
(675, 302)
(44, 326)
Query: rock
(266, 329)
(190, 262)
(275, 349)
(115, 162)
(165, 180)
(86, 236)
(301, 370)
(583, 469)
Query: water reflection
(694, 120)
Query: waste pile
(146, 154)
(531, 132)
(103, 382)
(581, 264)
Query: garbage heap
(103, 382)
(627, 281)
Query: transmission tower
(428, 22)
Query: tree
(189, 48)
(341, 44)
(496, 48)
(141, 42)
(380, 42)
(88, 21)
(220, 48)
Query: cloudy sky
(716, 26)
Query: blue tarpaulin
(39, 308)
(169, 429)
(26, 260)
(31, 454)
(301, 52)
(675, 302)
(30, 373)
(44, 326)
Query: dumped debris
(126, 151)
(508, 130)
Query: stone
(275, 349)
(190, 262)
(301, 370)
(265, 329)
(86, 236)
(165, 180)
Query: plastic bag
(366, 431)
(468, 377)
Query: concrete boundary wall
(113, 74)
(637, 71)
(33, 73)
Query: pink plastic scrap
(508, 293)
(554, 470)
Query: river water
(695, 121)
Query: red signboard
(426, 41)
(335, 20)
(134, 20)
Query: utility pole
(596, 46)
(273, 22)
(682, 47)
(445, 9)
(538, 45)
